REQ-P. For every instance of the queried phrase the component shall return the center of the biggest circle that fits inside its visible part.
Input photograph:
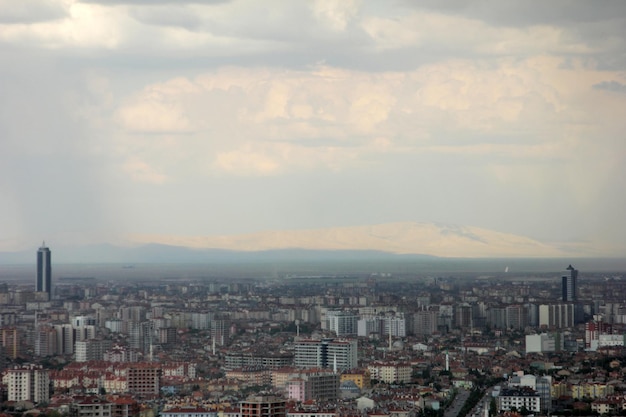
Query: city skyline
(221, 118)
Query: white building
(342, 323)
(544, 342)
(81, 321)
(367, 326)
(27, 383)
(65, 339)
(556, 315)
(605, 340)
(91, 350)
(326, 353)
(519, 399)
(201, 321)
(396, 325)
(115, 325)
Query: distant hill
(441, 240)
(385, 241)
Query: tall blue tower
(569, 284)
(44, 270)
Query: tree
(493, 407)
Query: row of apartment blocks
(535, 393)
(279, 378)
(555, 342)
(270, 406)
(32, 382)
(337, 354)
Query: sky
(222, 117)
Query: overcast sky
(226, 117)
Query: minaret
(335, 363)
(447, 361)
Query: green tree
(493, 407)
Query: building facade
(27, 383)
(263, 406)
(569, 284)
(326, 353)
(44, 270)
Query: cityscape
(377, 344)
(312, 208)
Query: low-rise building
(518, 399)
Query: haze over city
(172, 121)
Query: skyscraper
(44, 270)
(569, 284)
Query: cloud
(349, 34)
(248, 121)
(152, 2)
(31, 11)
(475, 112)
(140, 171)
(335, 14)
(523, 13)
(614, 86)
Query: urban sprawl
(365, 345)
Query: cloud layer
(218, 117)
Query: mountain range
(424, 239)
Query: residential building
(91, 406)
(552, 342)
(144, 379)
(11, 341)
(361, 377)
(316, 385)
(592, 390)
(391, 372)
(557, 315)
(263, 406)
(520, 398)
(27, 383)
(189, 411)
(342, 323)
(326, 353)
(91, 349)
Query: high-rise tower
(569, 284)
(44, 270)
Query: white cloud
(420, 103)
(158, 109)
(336, 14)
(273, 121)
